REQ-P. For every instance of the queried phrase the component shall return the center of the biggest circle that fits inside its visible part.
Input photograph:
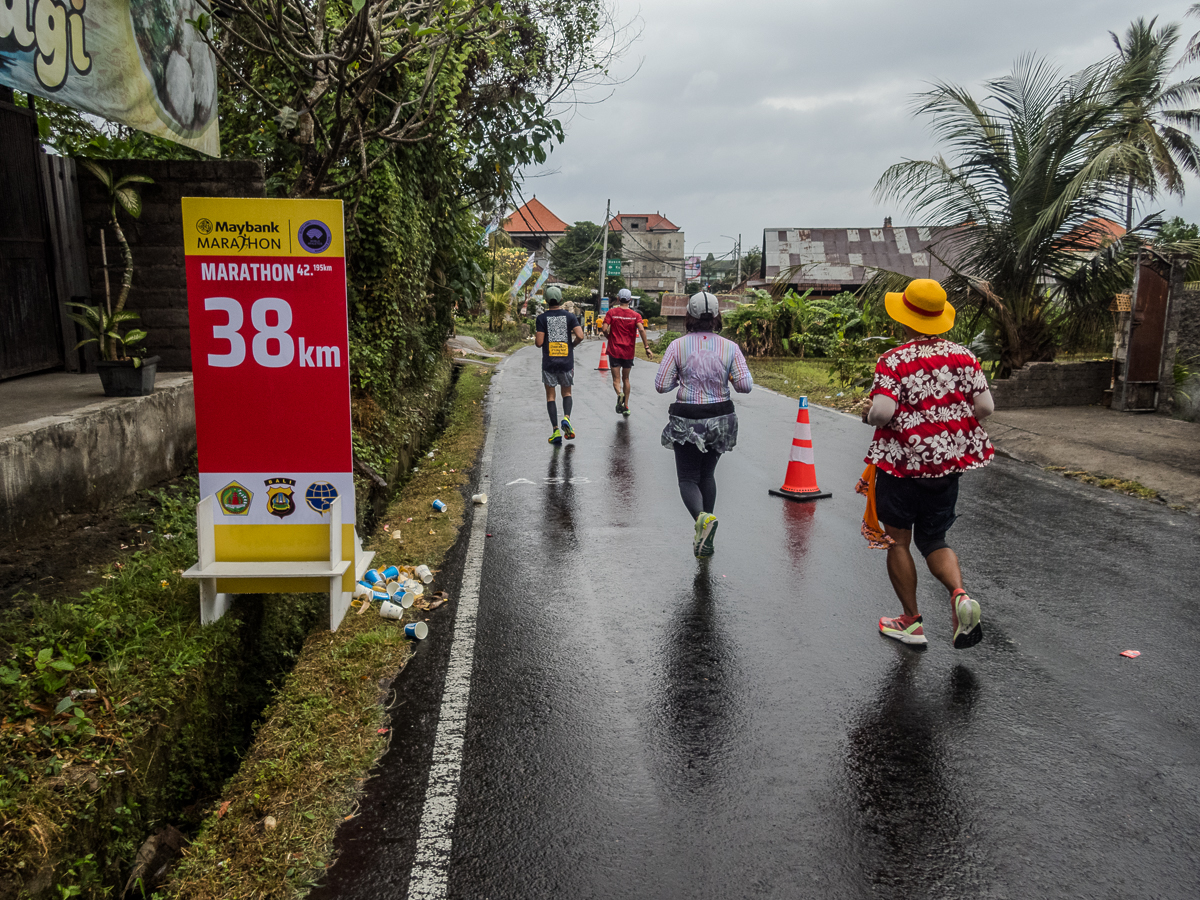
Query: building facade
(652, 250)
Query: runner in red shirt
(925, 403)
(622, 326)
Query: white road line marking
(431, 865)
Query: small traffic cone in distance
(603, 367)
(800, 483)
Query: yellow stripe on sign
(222, 226)
(270, 543)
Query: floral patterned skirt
(715, 435)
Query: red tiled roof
(534, 218)
(1094, 233)
(654, 221)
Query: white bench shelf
(213, 604)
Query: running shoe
(624, 406)
(706, 529)
(905, 629)
(620, 403)
(567, 430)
(970, 630)
(555, 438)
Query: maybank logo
(243, 235)
(207, 226)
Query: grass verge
(805, 378)
(272, 836)
(118, 711)
(1108, 482)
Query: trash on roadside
(438, 505)
(372, 576)
(479, 499)
(416, 630)
(1131, 654)
(397, 536)
(424, 573)
(224, 809)
(387, 527)
(389, 610)
(379, 731)
(429, 455)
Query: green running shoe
(620, 404)
(706, 529)
(555, 438)
(970, 629)
(567, 430)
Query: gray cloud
(763, 113)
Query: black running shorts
(924, 506)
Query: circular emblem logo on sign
(315, 236)
(204, 226)
(320, 496)
(234, 499)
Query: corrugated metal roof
(845, 256)
(676, 304)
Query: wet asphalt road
(645, 725)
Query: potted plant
(121, 374)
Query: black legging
(697, 485)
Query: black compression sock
(552, 408)
(567, 407)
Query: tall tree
(1023, 193)
(576, 256)
(1152, 114)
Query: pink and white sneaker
(905, 629)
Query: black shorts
(617, 363)
(924, 506)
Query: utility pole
(604, 252)
(739, 255)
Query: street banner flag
(491, 226)
(691, 268)
(270, 358)
(537, 285)
(522, 276)
(140, 64)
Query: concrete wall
(159, 290)
(1054, 384)
(92, 457)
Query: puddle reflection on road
(700, 699)
(907, 810)
(558, 515)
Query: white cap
(702, 304)
(624, 294)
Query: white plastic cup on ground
(424, 573)
(416, 630)
(407, 599)
(479, 499)
(389, 610)
(362, 590)
(394, 588)
(414, 587)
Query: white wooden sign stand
(213, 605)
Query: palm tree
(1151, 114)
(1025, 193)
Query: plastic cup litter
(479, 499)
(390, 610)
(414, 587)
(362, 589)
(407, 599)
(416, 630)
(391, 573)
(394, 588)
(439, 505)
(372, 576)
(381, 596)
(424, 573)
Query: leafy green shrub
(665, 341)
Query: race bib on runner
(558, 348)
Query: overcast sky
(767, 113)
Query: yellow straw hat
(922, 307)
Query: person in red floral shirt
(926, 403)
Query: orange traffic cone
(603, 367)
(800, 483)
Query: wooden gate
(42, 259)
(1138, 385)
